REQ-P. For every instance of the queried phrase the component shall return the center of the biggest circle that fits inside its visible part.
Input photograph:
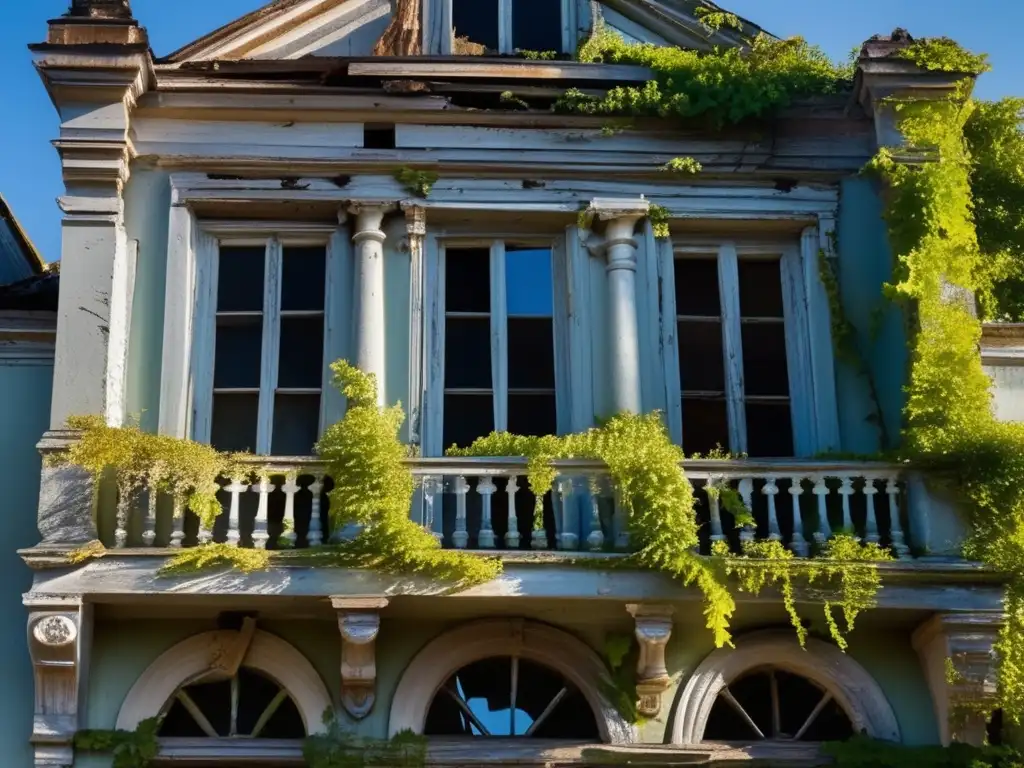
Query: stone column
(619, 248)
(959, 660)
(369, 342)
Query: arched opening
(769, 687)
(510, 696)
(495, 667)
(246, 705)
(772, 704)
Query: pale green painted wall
(24, 416)
(396, 318)
(123, 650)
(865, 264)
(147, 206)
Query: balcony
(485, 504)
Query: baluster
(485, 487)
(539, 536)
(460, 537)
(315, 536)
(798, 543)
(178, 523)
(568, 539)
(512, 535)
(716, 514)
(846, 491)
(824, 532)
(124, 500)
(431, 491)
(620, 524)
(259, 529)
(771, 490)
(595, 539)
(291, 487)
(236, 489)
(892, 490)
(871, 525)
(149, 521)
(746, 491)
(205, 535)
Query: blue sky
(30, 172)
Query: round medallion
(55, 631)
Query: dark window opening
(537, 25)
(247, 705)
(378, 137)
(510, 697)
(477, 21)
(771, 704)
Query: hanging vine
(129, 749)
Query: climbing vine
(129, 749)
(183, 469)
(420, 183)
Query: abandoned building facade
(325, 180)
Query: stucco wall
(24, 414)
(124, 649)
(865, 264)
(1007, 391)
(147, 204)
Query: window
(499, 345)
(774, 704)
(504, 26)
(732, 350)
(248, 705)
(269, 359)
(511, 697)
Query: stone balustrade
(487, 504)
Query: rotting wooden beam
(403, 36)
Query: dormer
(293, 29)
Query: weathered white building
(234, 221)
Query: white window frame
(435, 323)
(438, 24)
(191, 318)
(811, 375)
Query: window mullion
(271, 345)
(499, 336)
(505, 42)
(732, 339)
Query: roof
(675, 20)
(37, 293)
(18, 257)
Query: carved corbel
(359, 623)
(653, 630)
(58, 638)
(958, 654)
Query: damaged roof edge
(28, 249)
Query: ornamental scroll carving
(56, 647)
(359, 624)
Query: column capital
(359, 624)
(957, 651)
(620, 217)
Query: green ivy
(941, 54)
(950, 425)
(129, 749)
(996, 142)
(862, 752)
(682, 165)
(659, 217)
(724, 85)
(621, 653)
(339, 748)
(418, 183)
